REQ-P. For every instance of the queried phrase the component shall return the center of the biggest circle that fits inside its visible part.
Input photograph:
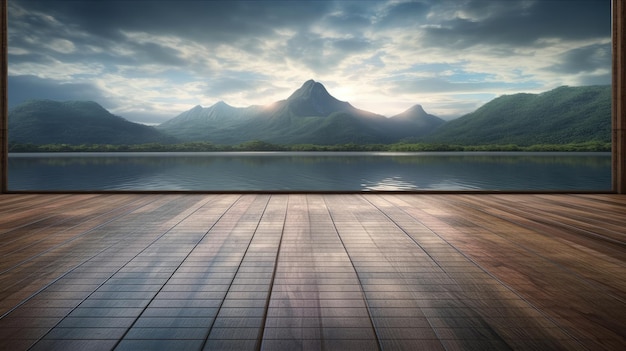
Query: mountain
(312, 99)
(415, 118)
(75, 122)
(560, 116)
(214, 123)
(309, 115)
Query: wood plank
(62, 225)
(480, 302)
(275, 271)
(538, 268)
(316, 297)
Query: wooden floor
(312, 272)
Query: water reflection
(389, 184)
(325, 171)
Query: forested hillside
(311, 116)
(560, 116)
(76, 122)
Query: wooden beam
(4, 142)
(619, 97)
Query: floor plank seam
(560, 266)
(584, 232)
(259, 340)
(362, 291)
(21, 303)
(112, 275)
(174, 271)
(219, 308)
(74, 237)
(314, 271)
(401, 228)
(513, 290)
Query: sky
(149, 61)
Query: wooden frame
(618, 114)
(4, 120)
(619, 98)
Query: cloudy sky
(151, 60)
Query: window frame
(618, 169)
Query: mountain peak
(310, 89)
(309, 82)
(417, 116)
(415, 111)
(312, 99)
(417, 108)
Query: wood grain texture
(312, 271)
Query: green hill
(560, 116)
(42, 122)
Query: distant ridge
(560, 116)
(311, 115)
(42, 122)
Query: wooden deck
(312, 272)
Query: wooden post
(619, 98)
(4, 120)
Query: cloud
(519, 23)
(155, 53)
(229, 86)
(403, 14)
(588, 58)
(225, 21)
(148, 58)
(439, 85)
(27, 87)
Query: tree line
(259, 145)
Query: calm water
(313, 171)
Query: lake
(310, 171)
